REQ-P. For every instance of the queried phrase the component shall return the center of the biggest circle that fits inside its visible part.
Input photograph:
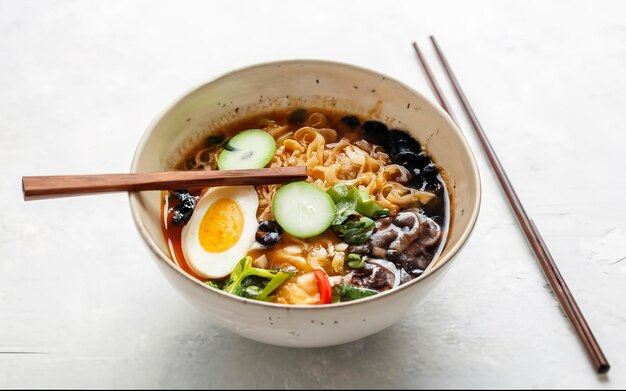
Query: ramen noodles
(372, 214)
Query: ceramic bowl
(305, 83)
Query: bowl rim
(154, 248)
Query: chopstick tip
(603, 368)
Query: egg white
(220, 264)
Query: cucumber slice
(252, 148)
(302, 209)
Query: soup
(372, 215)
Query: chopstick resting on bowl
(538, 246)
(42, 187)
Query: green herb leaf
(275, 282)
(340, 192)
(212, 284)
(356, 230)
(354, 212)
(253, 282)
(252, 291)
(348, 292)
(343, 211)
(237, 275)
(368, 207)
(350, 198)
(355, 261)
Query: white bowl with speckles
(303, 83)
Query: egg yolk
(221, 226)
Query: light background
(82, 305)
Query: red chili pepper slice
(323, 284)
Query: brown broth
(439, 210)
(280, 117)
(172, 234)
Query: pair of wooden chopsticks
(538, 246)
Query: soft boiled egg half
(221, 230)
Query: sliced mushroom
(407, 240)
(405, 219)
(373, 276)
(381, 240)
(410, 230)
(430, 232)
(390, 267)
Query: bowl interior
(286, 84)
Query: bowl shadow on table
(395, 357)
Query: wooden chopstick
(434, 85)
(536, 242)
(41, 187)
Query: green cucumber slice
(303, 210)
(252, 148)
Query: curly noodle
(330, 161)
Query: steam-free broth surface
(372, 215)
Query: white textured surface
(81, 304)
